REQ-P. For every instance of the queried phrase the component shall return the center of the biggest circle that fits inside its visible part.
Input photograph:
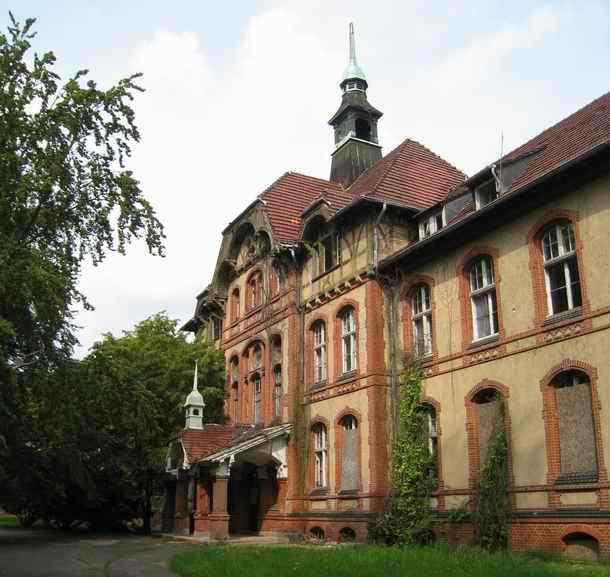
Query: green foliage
(65, 193)
(368, 561)
(492, 512)
(95, 442)
(66, 196)
(407, 519)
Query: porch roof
(252, 440)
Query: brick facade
(519, 362)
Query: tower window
(363, 129)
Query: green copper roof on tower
(352, 71)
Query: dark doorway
(244, 499)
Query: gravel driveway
(40, 553)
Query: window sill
(331, 269)
(563, 316)
(347, 493)
(347, 376)
(424, 359)
(484, 342)
(320, 492)
(319, 385)
(585, 478)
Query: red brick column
(219, 518)
(203, 507)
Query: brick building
(498, 283)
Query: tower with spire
(355, 124)
(194, 406)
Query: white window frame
(257, 394)
(566, 251)
(485, 289)
(277, 390)
(320, 436)
(430, 225)
(348, 341)
(477, 194)
(421, 312)
(319, 352)
(349, 422)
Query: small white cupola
(194, 406)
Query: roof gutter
(492, 207)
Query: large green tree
(99, 428)
(65, 193)
(66, 196)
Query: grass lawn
(8, 521)
(369, 561)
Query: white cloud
(212, 140)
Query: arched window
(350, 462)
(561, 274)
(319, 352)
(255, 290)
(320, 445)
(256, 357)
(235, 304)
(421, 317)
(276, 360)
(483, 298)
(490, 419)
(431, 434)
(348, 340)
(277, 391)
(257, 394)
(234, 379)
(577, 439)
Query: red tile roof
(290, 195)
(201, 443)
(411, 175)
(567, 140)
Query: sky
(237, 93)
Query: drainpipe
(376, 235)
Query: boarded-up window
(350, 470)
(576, 431)
(489, 417)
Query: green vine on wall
(407, 519)
(492, 511)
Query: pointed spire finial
(353, 71)
(195, 383)
(352, 44)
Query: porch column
(203, 507)
(181, 524)
(219, 517)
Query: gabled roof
(567, 140)
(411, 175)
(290, 195)
(199, 443)
(214, 441)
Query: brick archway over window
(536, 260)
(473, 430)
(551, 425)
(439, 452)
(407, 312)
(339, 443)
(463, 274)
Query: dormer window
(430, 225)
(485, 193)
(216, 328)
(326, 252)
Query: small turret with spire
(194, 406)
(355, 124)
